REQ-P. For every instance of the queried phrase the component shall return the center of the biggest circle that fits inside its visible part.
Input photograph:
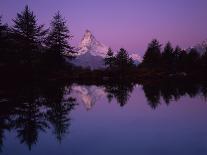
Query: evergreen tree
(182, 62)
(28, 34)
(177, 53)
(3, 40)
(123, 63)
(204, 59)
(3, 29)
(109, 60)
(168, 58)
(193, 59)
(122, 58)
(57, 40)
(153, 54)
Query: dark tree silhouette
(120, 91)
(57, 40)
(3, 41)
(4, 125)
(182, 62)
(152, 56)
(177, 53)
(152, 94)
(59, 108)
(58, 116)
(122, 62)
(122, 58)
(28, 34)
(168, 57)
(204, 59)
(193, 59)
(109, 60)
(29, 122)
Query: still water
(103, 120)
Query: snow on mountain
(88, 95)
(91, 53)
(136, 57)
(201, 47)
(91, 45)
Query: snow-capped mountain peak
(200, 47)
(136, 57)
(91, 53)
(87, 39)
(91, 45)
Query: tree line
(173, 60)
(31, 109)
(28, 47)
(28, 44)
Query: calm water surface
(103, 120)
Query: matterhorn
(91, 53)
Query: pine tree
(3, 27)
(193, 59)
(204, 59)
(182, 62)
(122, 58)
(28, 34)
(3, 40)
(122, 61)
(177, 53)
(153, 54)
(109, 60)
(168, 56)
(57, 40)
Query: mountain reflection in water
(28, 110)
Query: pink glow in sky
(131, 24)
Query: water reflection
(172, 91)
(27, 110)
(35, 108)
(120, 91)
(88, 95)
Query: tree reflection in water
(120, 91)
(172, 90)
(34, 108)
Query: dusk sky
(131, 24)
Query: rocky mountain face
(91, 53)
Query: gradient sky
(131, 24)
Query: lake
(122, 119)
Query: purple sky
(131, 24)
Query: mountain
(87, 60)
(87, 95)
(91, 53)
(91, 45)
(201, 47)
(137, 58)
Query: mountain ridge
(90, 53)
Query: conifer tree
(168, 56)
(28, 34)
(3, 40)
(193, 59)
(153, 54)
(109, 60)
(122, 61)
(57, 40)
(204, 59)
